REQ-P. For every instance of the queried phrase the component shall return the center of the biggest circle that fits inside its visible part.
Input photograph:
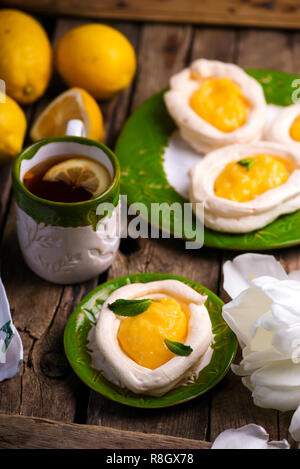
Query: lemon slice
(80, 172)
(74, 103)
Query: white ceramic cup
(67, 242)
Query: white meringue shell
(240, 217)
(140, 379)
(201, 135)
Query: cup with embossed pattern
(67, 242)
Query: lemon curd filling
(221, 103)
(295, 129)
(142, 337)
(246, 179)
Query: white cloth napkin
(11, 348)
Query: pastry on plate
(245, 187)
(153, 335)
(285, 128)
(216, 104)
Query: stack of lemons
(94, 60)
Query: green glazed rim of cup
(60, 213)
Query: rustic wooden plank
(6, 180)
(6, 169)
(233, 406)
(290, 258)
(163, 51)
(295, 47)
(114, 110)
(50, 388)
(33, 303)
(36, 309)
(281, 14)
(19, 432)
(11, 390)
(47, 387)
(165, 255)
(28, 297)
(263, 56)
(32, 391)
(214, 44)
(226, 411)
(265, 49)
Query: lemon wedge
(81, 172)
(74, 103)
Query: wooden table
(47, 388)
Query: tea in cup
(60, 184)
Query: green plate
(140, 150)
(77, 350)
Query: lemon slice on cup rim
(81, 172)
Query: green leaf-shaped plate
(140, 149)
(77, 347)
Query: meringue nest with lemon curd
(153, 335)
(285, 128)
(244, 187)
(216, 104)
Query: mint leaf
(129, 307)
(247, 163)
(178, 348)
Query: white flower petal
(261, 339)
(295, 275)
(294, 428)
(283, 444)
(241, 312)
(247, 437)
(284, 316)
(287, 342)
(237, 370)
(234, 282)
(283, 375)
(239, 273)
(268, 354)
(247, 383)
(266, 320)
(278, 399)
(256, 360)
(282, 292)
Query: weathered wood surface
(280, 14)
(22, 432)
(46, 386)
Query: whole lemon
(25, 56)
(97, 58)
(12, 128)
